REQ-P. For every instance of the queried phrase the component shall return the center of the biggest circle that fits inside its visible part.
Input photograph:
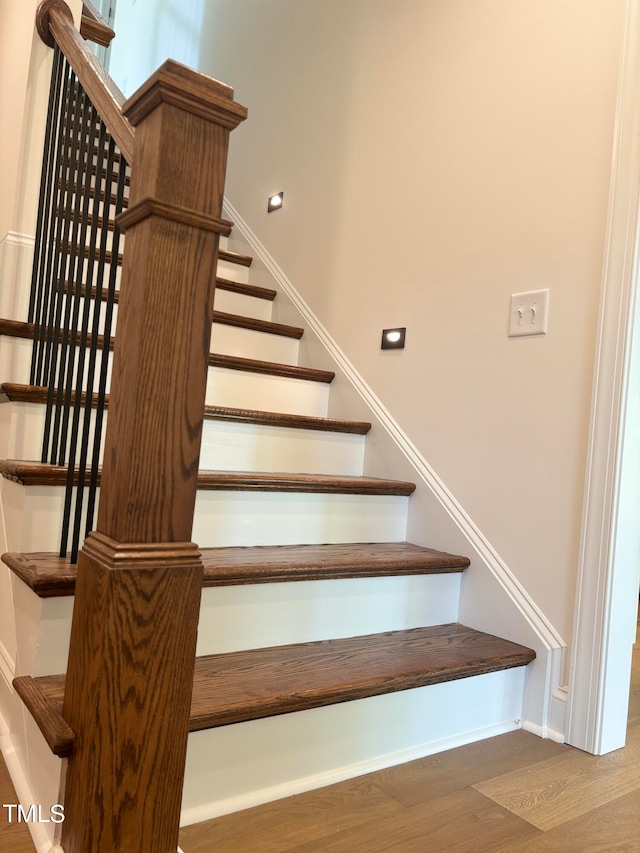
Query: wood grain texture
(264, 682)
(608, 828)
(94, 27)
(14, 836)
(49, 575)
(271, 368)
(280, 419)
(102, 91)
(72, 250)
(55, 730)
(266, 326)
(174, 213)
(191, 92)
(437, 775)
(133, 638)
(93, 193)
(431, 789)
(246, 289)
(236, 258)
(464, 822)
(282, 825)
(38, 394)
(565, 786)
(19, 329)
(127, 694)
(250, 685)
(44, 474)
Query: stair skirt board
(253, 616)
(263, 760)
(33, 518)
(243, 389)
(226, 446)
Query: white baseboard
(545, 732)
(340, 774)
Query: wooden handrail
(94, 27)
(55, 25)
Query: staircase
(327, 645)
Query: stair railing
(73, 290)
(132, 651)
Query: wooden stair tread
(43, 474)
(250, 685)
(288, 371)
(50, 575)
(15, 392)
(112, 198)
(234, 258)
(221, 283)
(19, 329)
(267, 326)
(246, 289)
(221, 317)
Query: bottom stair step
(251, 685)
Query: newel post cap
(191, 91)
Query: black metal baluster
(93, 352)
(82, 292)
(81, 384)
(45, 202)
(60, 255)
(102, 385)
(65, 276)
(41, 331)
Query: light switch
(529, 313)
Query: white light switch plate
(529, 313)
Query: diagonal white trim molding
(549, 640)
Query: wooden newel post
(133, 639)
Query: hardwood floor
(510, 794)
(14, 836)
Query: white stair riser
(226, 339)
(33, 518)
(225, 445)
(258, 616)
(245, 306)
(264, 392)
(252, 447)
(243, 765)
(233, 272)
(249, 343)
(225, 387)
(15, 359)
(261, 615)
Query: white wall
(25, 69)
(150, 31)
(437, 156)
